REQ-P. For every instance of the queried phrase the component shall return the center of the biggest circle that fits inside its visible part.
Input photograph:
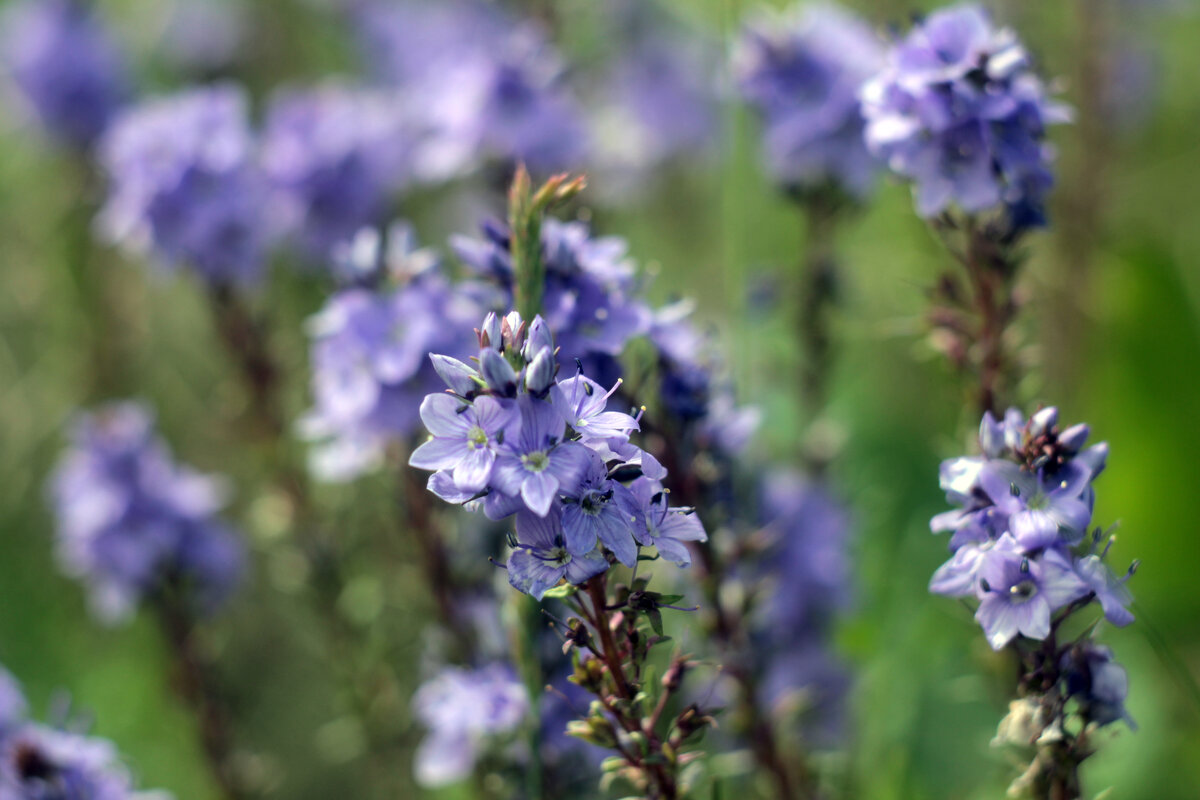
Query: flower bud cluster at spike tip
(185, 187)
(589, 294)
(131, 520)
(559, 460)
(803, 73)
(959, 112)
(39, 762)
(462, 708)
(65, 66)
(1020, 533)
(370, 346)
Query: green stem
(526, 211)
(817, 293)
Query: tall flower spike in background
(185, 188)
(65, 65)
(136, 526)
(1024, 555)
(334, 156)
(803, 73)
(139, 528)
(484, 88)
(959, 112)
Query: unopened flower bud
(1043, 421)
(460, 377)
(539, 376)
(512, 330)
(538, 338)
(498, 373)
(674, 677)
(490, 335)
(1074, 437)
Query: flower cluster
(803, 75)
(512, 438)
(804, 567)
(65, 66)
(1022, 548)
(132, 523)
(462, 708)
(589, 300)
(959, 112)
(695, 400)
(370, 350)
(334, 156)
(486, 88)
(185, 185)
(38, 762)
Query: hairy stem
(655, 766)
(990, 272)
(198, 686)
(817, 292)
(246, 342)
(107, 363)
(727, 629)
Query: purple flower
(959, 577)
(659, 526)
(333, 156)
(809, 532)
(466, 437)
(41, 763)
(689, 389)
(131, 520)
(184, 186)
(1018, 593)
(1098, 682)
(959, 112)
(537, 464)
(371, 365)
(596, 511)
(582, 403)
(802, 74)
(1041, 509)
(542, 558)
(462, 708)
(1110, 591)
(481, 86)
(65, 65)
(1034, 482)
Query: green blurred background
(1112, 325)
